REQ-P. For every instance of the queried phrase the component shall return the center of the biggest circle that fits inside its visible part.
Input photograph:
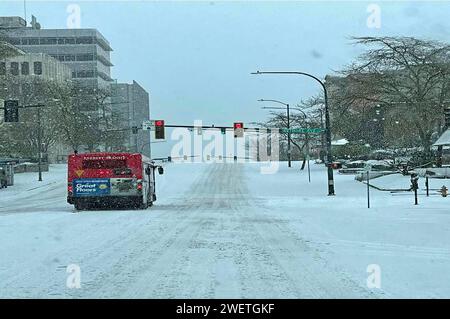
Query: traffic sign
(148, 125)
(302, 130)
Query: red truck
(111, 180)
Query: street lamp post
(39, 137)
(327, 123)
(306, 138)
(288, 126)
(39, 145)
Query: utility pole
(39, 145)
(15, 118)
(288, 125)
(307, 156)
(289, 136)
(322, 137)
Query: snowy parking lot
(227, 231)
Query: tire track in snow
(149, 252)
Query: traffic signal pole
(39, 135)
(39, 146)
(289, 135)
(286, 105)
(327, 123)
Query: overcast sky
(195, 58)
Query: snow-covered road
(224, 231)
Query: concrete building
(130, 106)
(86, 54)
(35, 65)
(85, 51)
(22, 73)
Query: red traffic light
(159, 129)
(238, 129)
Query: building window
(33, 41)
(14, 41)
(15, 68)
(69, 57)
(48, 41)
(60, 40)
(37, 68)
(85, 74)
(2, 68)
(25, 68)
(69, 40)
(85, 57)
(85, 40)
(58, 57)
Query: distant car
(353, 167)
(318, 161)
(382, 165)
(337, 164)
(381, 154)
(355, 164)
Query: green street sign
(302, 130)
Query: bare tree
(408, 78)
(301, 142)
(22, 137)
(65, 118)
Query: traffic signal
(11, 111)
(159, 129)
(238, 129)
(447, 117)
(223, 130)
(134, 129)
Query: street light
(288, 125)
(327, 123)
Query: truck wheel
(143, 205)
(79, 206)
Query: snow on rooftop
(340, 142)
(444, 139)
